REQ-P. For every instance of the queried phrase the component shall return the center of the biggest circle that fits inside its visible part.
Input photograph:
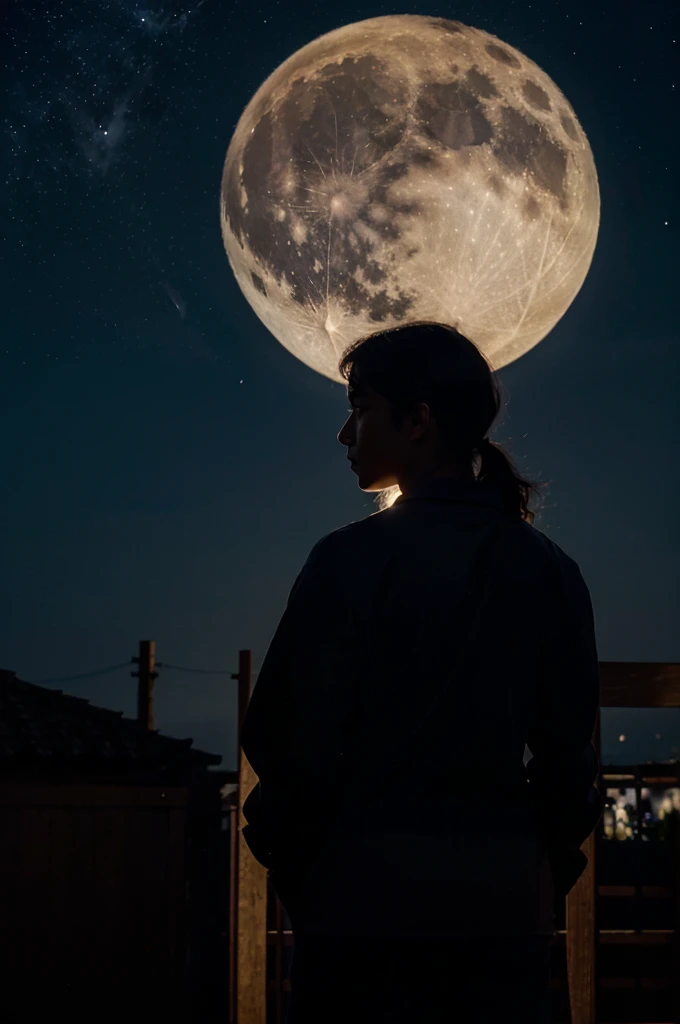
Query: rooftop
(41, 725)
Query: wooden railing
(623, 684)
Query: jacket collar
(449, 489)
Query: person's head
(423, 400)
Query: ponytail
(496, 466)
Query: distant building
(653, 820)
(111, 873)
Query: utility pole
(146, 675)
(244, 677)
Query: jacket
(483, 844)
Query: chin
(372, 485)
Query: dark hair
(425, 361)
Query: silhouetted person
(424, 892)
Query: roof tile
(39, 723)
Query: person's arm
(564, 766)
(302, 707)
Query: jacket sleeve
(300, 712)
(564, 765)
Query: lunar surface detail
(405, 168)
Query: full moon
(408, 168)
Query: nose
(345, 434)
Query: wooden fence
(622, 685)
(92, 889)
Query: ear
(420, 420)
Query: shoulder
(341, 542)
(552, 560)
(328, 570)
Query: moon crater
(408, 167)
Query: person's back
(460, 840)
(453, 845)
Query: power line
(125, 664)
(203, 671)
(84, 675)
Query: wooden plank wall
(92, 888)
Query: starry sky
(166, 465)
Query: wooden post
(251, 903)
(233, 907)
(675, 948)
(146, 676)
(582, 932)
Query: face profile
(372, 440)
(381, 453)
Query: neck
(452, 471)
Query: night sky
(166, 465)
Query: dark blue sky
(166, 465)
